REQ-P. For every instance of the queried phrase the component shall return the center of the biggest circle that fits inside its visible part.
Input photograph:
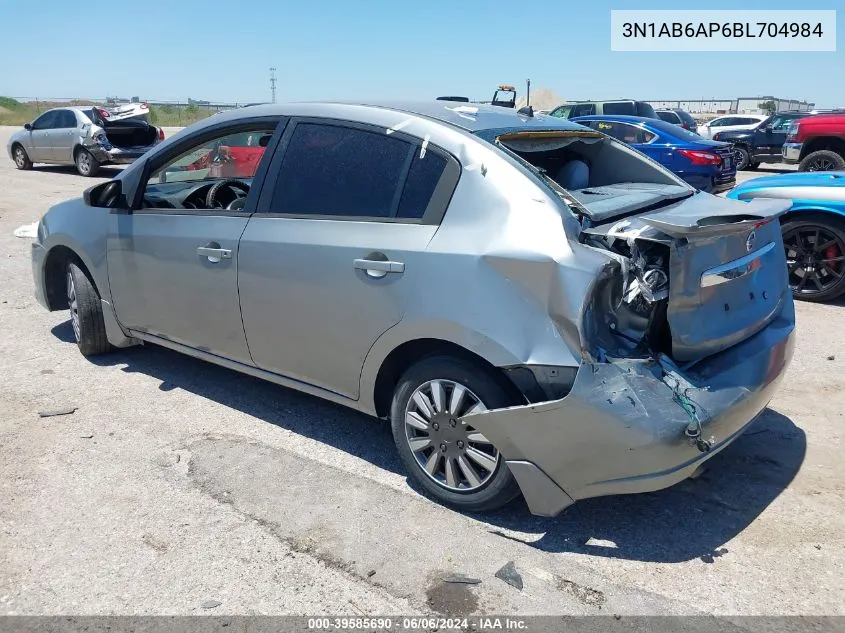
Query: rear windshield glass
(624, 107)
(686, 117)
(645, 109)
(670, 117)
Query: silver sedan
(81, 137)
(534, 306)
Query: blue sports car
(704, 164)
(813, 229)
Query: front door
(330, 261)
(769, 139)
(39, 149)
(173, 261)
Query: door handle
(378, 268)
(214, 253)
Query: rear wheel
(753, 165)
(815, 256)
(21, 157)
(449, 458)
(822, 160)
(743, 159)
(86, 164)
(86, 313)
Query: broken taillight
(700, 158)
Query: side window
(334, 170)
(46, 121)
(562, 112)
(621, 107)
(781, 123)
(582, 109)
(422, 179)
(230, 155)
(724, 121)
(65, 119)
(669, 117)
(629, 134)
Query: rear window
(686, 117)
(669, 117)
(622, 107)
(645, 109)
(331, 170)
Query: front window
(781, 123)
(234, 155)
(582, 109)
(46, 121)
(215, 174)
(562, 112)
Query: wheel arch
(830, 143)
(55, 270)
(805, 210)
(382, 380)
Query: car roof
(622, 118)
(471, 117)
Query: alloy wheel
(84, 162)
(815, 258)
(73, 306)
(20, 157)
(821, 164)
(448, 450)
(742, 157)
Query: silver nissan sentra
(533, 305)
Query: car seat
(575, 174)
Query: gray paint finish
(511, 274)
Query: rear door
(173, 261)
(329, 262)
(63, 135)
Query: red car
(239, 158)
(816, 143)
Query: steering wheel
(230, 183)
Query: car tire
(20, 157)
(479, 489)
(743, 158)
(86, 164)
(829, 228)
(86, 312)
(752, 166)
(822, 160)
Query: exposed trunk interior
(695, 277)
(129, 133)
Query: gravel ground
(178, 487)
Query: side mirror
(27, 126)
(106, 195)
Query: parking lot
(179, 487)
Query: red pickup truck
(816, 143)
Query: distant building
(741, 105)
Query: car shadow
(774, 170)
(691, 520)
(106, 171)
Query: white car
(730, 122)
(124, 111)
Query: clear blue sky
(343, 49)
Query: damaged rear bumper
(625, 427)
(117, 155)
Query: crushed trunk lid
(727, 275)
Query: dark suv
(625, 107)
(679, 117)
(762, 144)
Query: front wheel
(822, 160)
(86, 313)
(21, 158)
(449, 458)
(86, 164)
(815, 256)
